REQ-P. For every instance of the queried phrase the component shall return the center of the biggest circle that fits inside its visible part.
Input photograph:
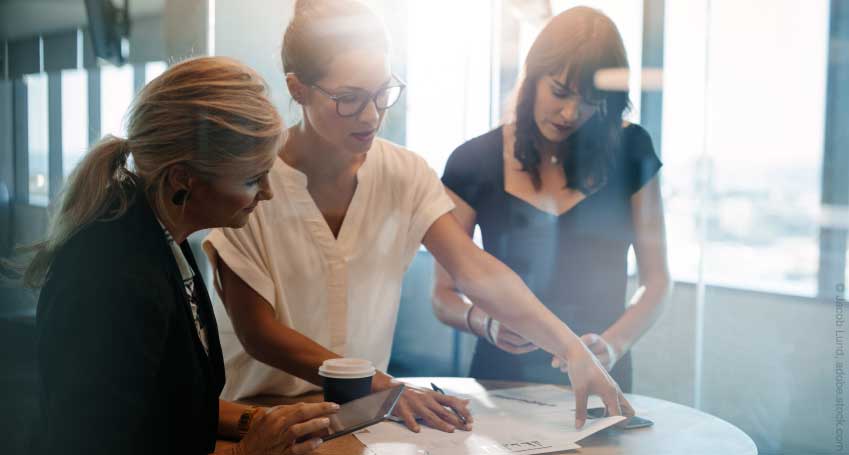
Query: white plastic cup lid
(346, 368)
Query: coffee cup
(345, 380)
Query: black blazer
(122, 369)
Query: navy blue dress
(575, 263)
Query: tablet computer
(363, 412)
(632, 423)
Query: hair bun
(303, 7)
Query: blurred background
(751, 122)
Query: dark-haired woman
(560, 194)
(128, 352)
(317, 273)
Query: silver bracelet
(466, 318)
(488, 330)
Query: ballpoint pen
(438, 390)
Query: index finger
(580, 407)
(305, 411)
(611, 402)
(457, 404)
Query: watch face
(245, 420)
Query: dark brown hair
(322, 29)
(579, 41)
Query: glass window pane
(683, 136)
(74, 118)
(766, 159)
(152, 70)
(37, 138)
(116, 93)
(743, 141)
(441, 71)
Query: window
(74, 118)
(116, 94)
(743, 129)
(152, 70)
(37, 138)
(448, 93)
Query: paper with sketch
(491, 436)
(527, 420)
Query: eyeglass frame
(372, 97)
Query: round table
(677, 429)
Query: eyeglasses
(353, 101)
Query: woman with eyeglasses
(317, 273)
(560, 194)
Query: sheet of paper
(543, 402)
(527, 420)
(497, 436)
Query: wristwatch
(245, 421)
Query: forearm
(454, 309)
(287, 349)
(646, 307)
(500, 293)
(450, 307)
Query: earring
(180, 197)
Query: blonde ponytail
(210, 114)
(92, 188)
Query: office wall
(769, 368)
(768, 364)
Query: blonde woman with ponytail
(128, 349)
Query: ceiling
(23, 18)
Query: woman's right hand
(589, 377)
(291, 429)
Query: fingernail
(334, 406)
(325, 421)
(317, 442)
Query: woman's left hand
(431, 407)
(604, 351)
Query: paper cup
(345, 380)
